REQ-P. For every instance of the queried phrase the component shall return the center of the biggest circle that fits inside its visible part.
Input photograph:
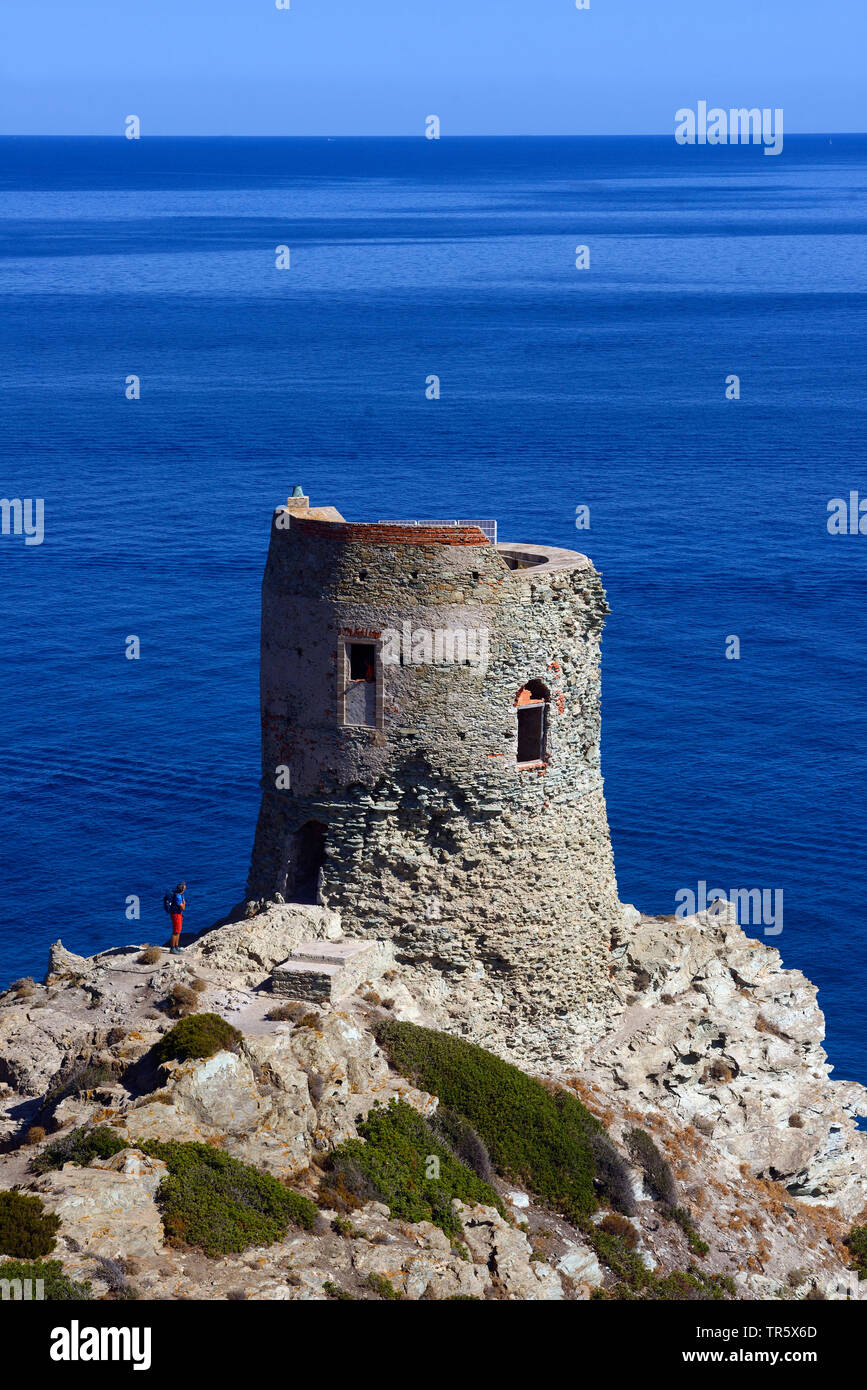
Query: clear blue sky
(335, 67)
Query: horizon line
(378, 135)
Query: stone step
(298, 979)
(331, 952)
(322, 971)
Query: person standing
(176, 911)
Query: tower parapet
(430, 732)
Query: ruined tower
(430, 736)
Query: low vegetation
(27, 1230)
(199, 1035)
(381, 1286)
(459, 1137)
(656, 1168)
(856, 1243)
(613, 1224)
(295, 1011)
(540, 1137)
(57, 1287)
(81, 1146)
(683, 1217)
(221, 1205)
(84, 1078)
(398, 1161)
(633, 1281)
(662, 1182)
(180, 1001)
(337, 1292)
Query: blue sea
(560, 388)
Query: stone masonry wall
(434, 837)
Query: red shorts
(177, 923)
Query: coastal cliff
(725, 1161)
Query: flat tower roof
(488, 528)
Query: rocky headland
(749, 1178)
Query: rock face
(65, 964)
(507, 1253)
(422, 813)
(244, 950)
(286, 1098)
(710, 1045)
(717, 1033)
(108, 1209)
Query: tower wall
(433, 836)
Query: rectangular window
(361, 681)
(362, 661)
(531, 733)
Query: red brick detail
(374, 533)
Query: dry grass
(180, 1002)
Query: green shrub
(380, 1285)
(613, 1224)
(540, 1138)
(678, 1286)
(214, 1201)
(683, 1217)
(335, 1291)
(856, 1242)
(58, 1287)
(462, 1140)
(27, 1230)
(612, 1174)
(81, 1146)
(389, 1163)
(86, 1076)
(199, 1035)
(691, 1286)
(618, 1255)
(657, 1169)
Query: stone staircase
(319, 972)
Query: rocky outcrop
(710, 1045)
(715, 1032)
(509, 1255)
(249, 949)
(287, 1097)
(107, 1209)
(65, 965)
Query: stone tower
(430, 733)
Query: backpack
(169, 902)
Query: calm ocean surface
(560, 387)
